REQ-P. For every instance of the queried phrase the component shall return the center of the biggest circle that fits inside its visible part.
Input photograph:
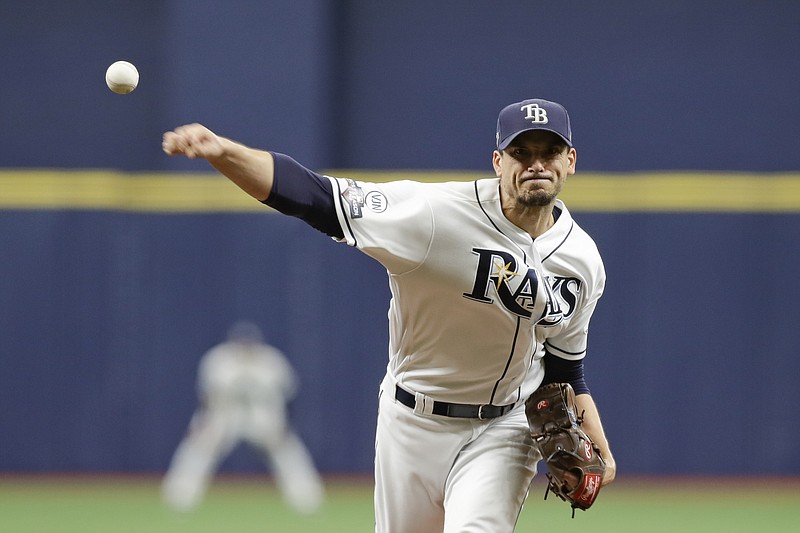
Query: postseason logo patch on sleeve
(354, 196)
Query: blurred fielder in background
(244, 385)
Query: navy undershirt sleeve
(304, 194)
(560, 370)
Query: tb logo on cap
(534, 113)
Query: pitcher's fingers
(172, 143)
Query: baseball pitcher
(493, 285)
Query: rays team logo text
(515, 286)
(567, 290)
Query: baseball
(122, 77)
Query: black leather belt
(454, 410)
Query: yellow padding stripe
(107, 190)
(211, 192)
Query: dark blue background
(418, 84)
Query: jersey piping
(516, 330)
(554, 250)
(343, 208)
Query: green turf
(674, 507)
(120, 505)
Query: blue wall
(683, 84)
(104, 314)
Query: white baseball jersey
(470, 283)
(577, 277)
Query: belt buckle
(480, 412)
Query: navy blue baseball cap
(535, 114)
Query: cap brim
(504, 143)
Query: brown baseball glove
(575, 467)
